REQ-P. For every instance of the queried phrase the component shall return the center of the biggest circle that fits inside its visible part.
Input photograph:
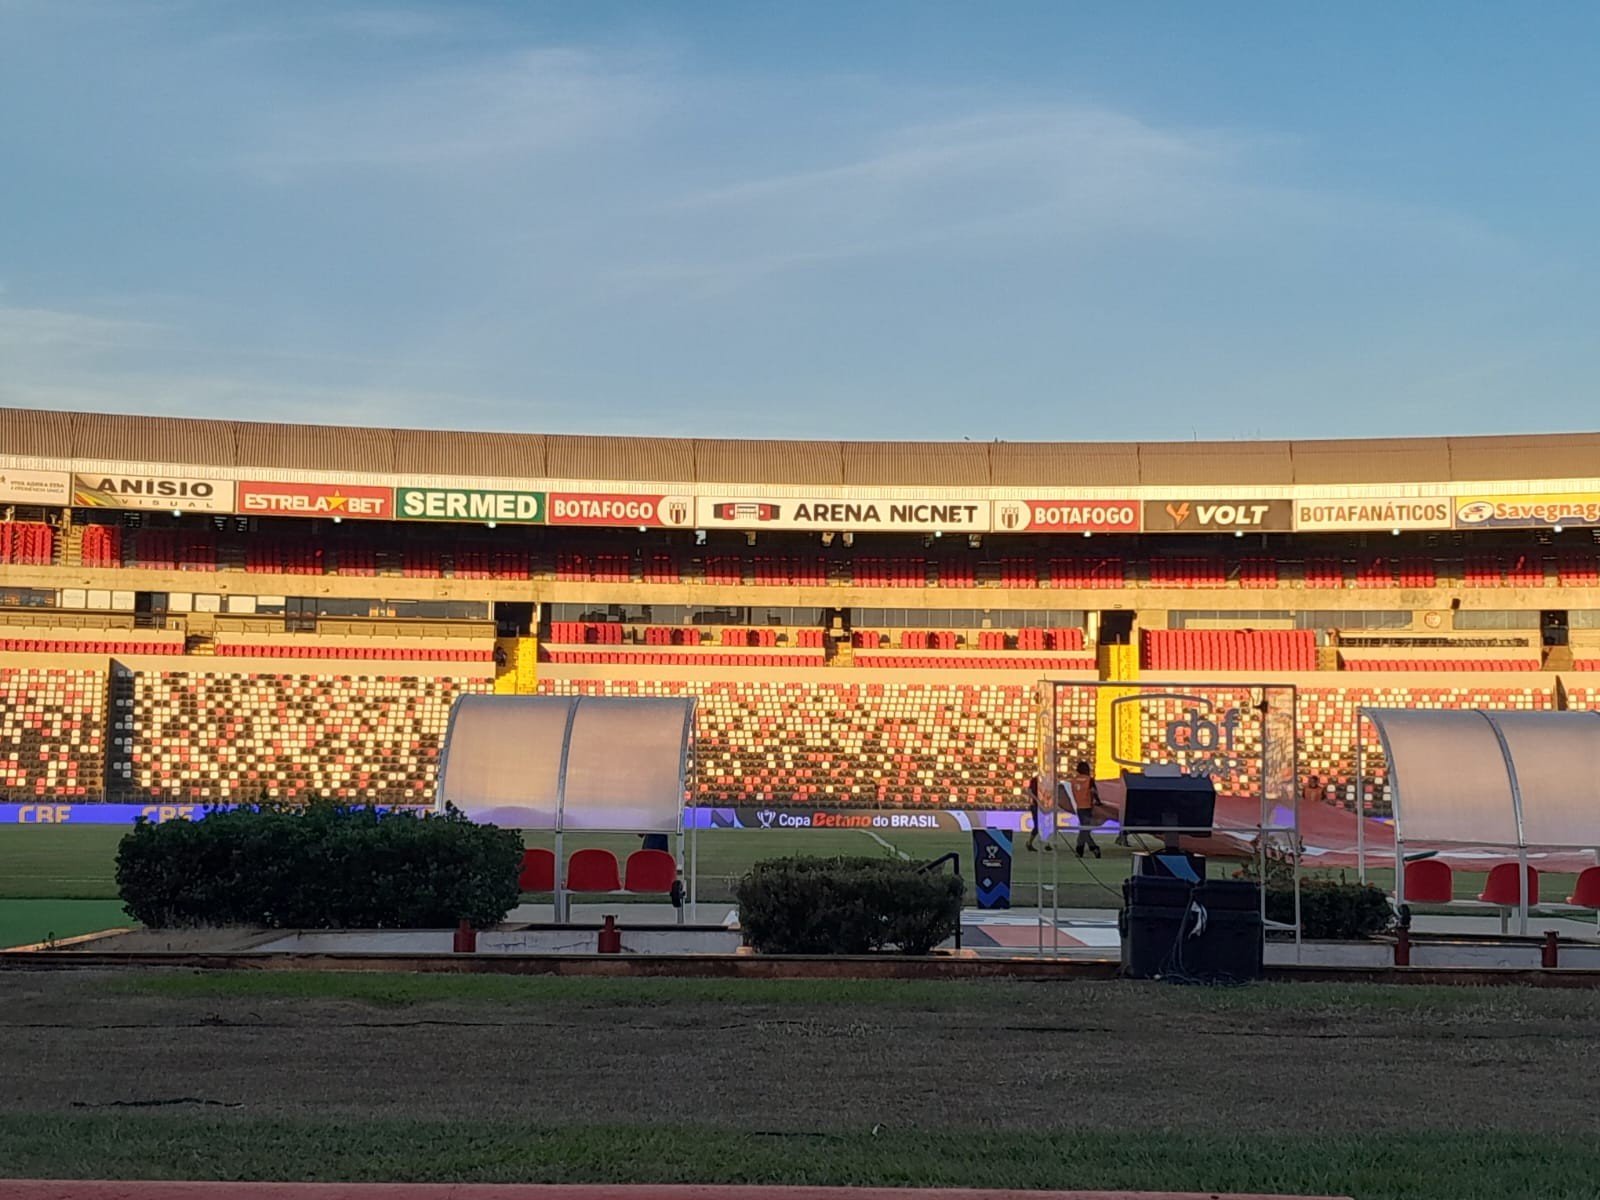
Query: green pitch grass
(78, 862)
(29, 922)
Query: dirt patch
(1002, 1055)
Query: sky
(1015, 221)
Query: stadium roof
(98, 437)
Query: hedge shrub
(320, 865)
(1333, 909)
(846, 905)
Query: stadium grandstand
(197, 610)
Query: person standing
(1084, 798)
(1033, 812)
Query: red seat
(650, 871)
(1586, 892)
(1501, 887)
(593, 870)
(1429, 881)
(538, 871)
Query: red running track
(63, 1189)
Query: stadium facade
(196, 610)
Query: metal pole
(1046, 832)
(694, 869)
(1055, 901)
(561, 879)
(1297, 934)
(1264, 811)
(1399, 866)
(1361, 791)
(681, 897)
(1522, 890)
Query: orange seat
(650, 871)
(1429, 881)
(1501, 887)
(538, 871)
(593, 870)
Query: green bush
(1332, 909)
(319, 866)
(846, 905)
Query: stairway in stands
(519, 676)
(119, 741)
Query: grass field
(77, 863)
(1363, 1091)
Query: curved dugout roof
(1521, 779)
(593, 763)
(67, 437)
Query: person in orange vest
(1084, 797)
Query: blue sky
(888, 220)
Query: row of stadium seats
(52, 733)
(594, 568)
(867, 571)
(671, 635)
(173, 550)
(695, 658)
(1438, 664)
(1047, 639)
(102, 546)
(586, 633)
(973, 662)
(1188, 572)
(1229, 650)
(851, 744)
(345, 650)
(735, 635)
(27, 544)
(221, 735)
(790, 570)
(487, 563)
(91, 646)
(237, 736)
(282, 556)
(198, 550)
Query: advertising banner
(44, 813)
(792, 817)
(34, 487)
(316, 500)
(1218, 516)
(469, 504)
(903, 515)
(1527, 512)
(991, 867)
(1067, 516)
(1384, 512)
(616, 509)
(152, 492)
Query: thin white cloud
(55, 331)
(394, 24)
(501, 109)
(1054, 178)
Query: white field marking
(889, 846)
